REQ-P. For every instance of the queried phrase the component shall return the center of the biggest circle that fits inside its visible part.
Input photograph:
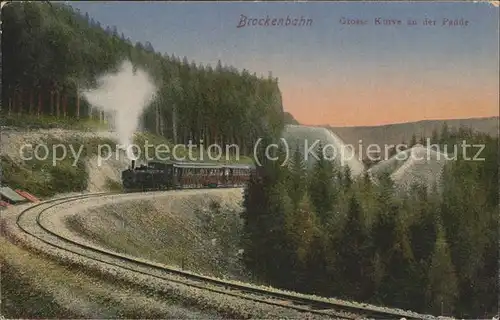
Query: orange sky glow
(387, 103)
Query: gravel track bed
(168, 286)
(200, 299)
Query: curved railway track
(30, 221)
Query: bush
(113, 185)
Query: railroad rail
(30, 222)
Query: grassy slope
(36, 287)
(153, 232)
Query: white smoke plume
(124, 95)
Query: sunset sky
(329, 73)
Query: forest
(52, 51)
(321, 231)
(432, 251)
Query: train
(168, 175)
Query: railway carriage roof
(197, 165)
(236, 166)
(201, 165)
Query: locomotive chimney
(133, 164)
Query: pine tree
(298, 177)
(401, 284)
(442, 287)
(422, 141)
(445, 134)
(316, 264)
(353, 260)
(256, 208)
(301, 232)
(435, 136)
(413, 141)
(384, 230)
(321, 188)
(278, 250)
(346, 177)
(423, 232)
(266, 205)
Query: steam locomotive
(157, 175)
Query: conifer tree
(353, 258)
(298, 177)
(346, 177)
(321, 188)
(422, 141)
(422, 230)
(445, 134)
(266, 205)
(434, 136)
(257, 206)
(401, 284)
(442, 287)
(413, 141)
(301, 231)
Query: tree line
(52, 52)
(434, 250)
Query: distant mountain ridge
(393, 134)
(403, 132)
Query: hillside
(53, 54)
(334, 148)
(402, 132)
(417, 165)
(348, 234)
(289, 118)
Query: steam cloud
(123, 95)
